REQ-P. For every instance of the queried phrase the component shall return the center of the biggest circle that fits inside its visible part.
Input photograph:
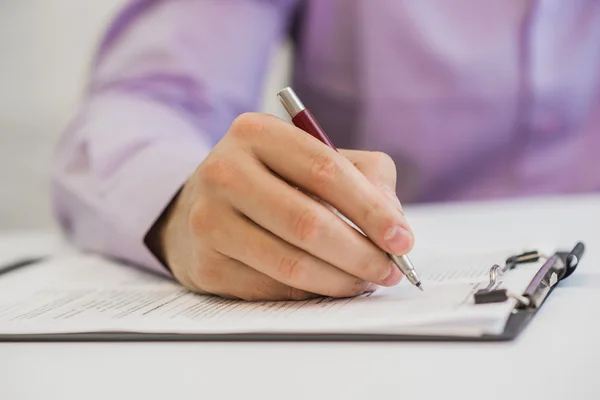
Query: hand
(240, 228)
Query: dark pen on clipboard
(302, 118)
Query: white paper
(78, 293)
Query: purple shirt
(472, 99)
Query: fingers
(330, 176)
(240, 239)
(229, 278)
(309, 226)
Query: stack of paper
(83, 293)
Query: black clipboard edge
(514, 326)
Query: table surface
(557, 357)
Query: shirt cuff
(147, 184)
(118, 171)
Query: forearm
(161, 95)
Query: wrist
(157, 237)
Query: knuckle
(248, 126)
(307, 225)
(219, 172)
(290, 268)
(324, 169)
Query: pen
(305, 120)
(4, 269)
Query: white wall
(45, 49)
(45, 46)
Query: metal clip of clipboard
(556, 268)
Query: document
(79, 293)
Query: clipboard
(556, 268)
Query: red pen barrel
(302, 117)
(306, 121)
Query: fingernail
(394, 277)
(391, 194)
(397, 240)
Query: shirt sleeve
(168, 79)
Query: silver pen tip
(420, 286)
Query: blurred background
(45, 51)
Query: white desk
(557, 357)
